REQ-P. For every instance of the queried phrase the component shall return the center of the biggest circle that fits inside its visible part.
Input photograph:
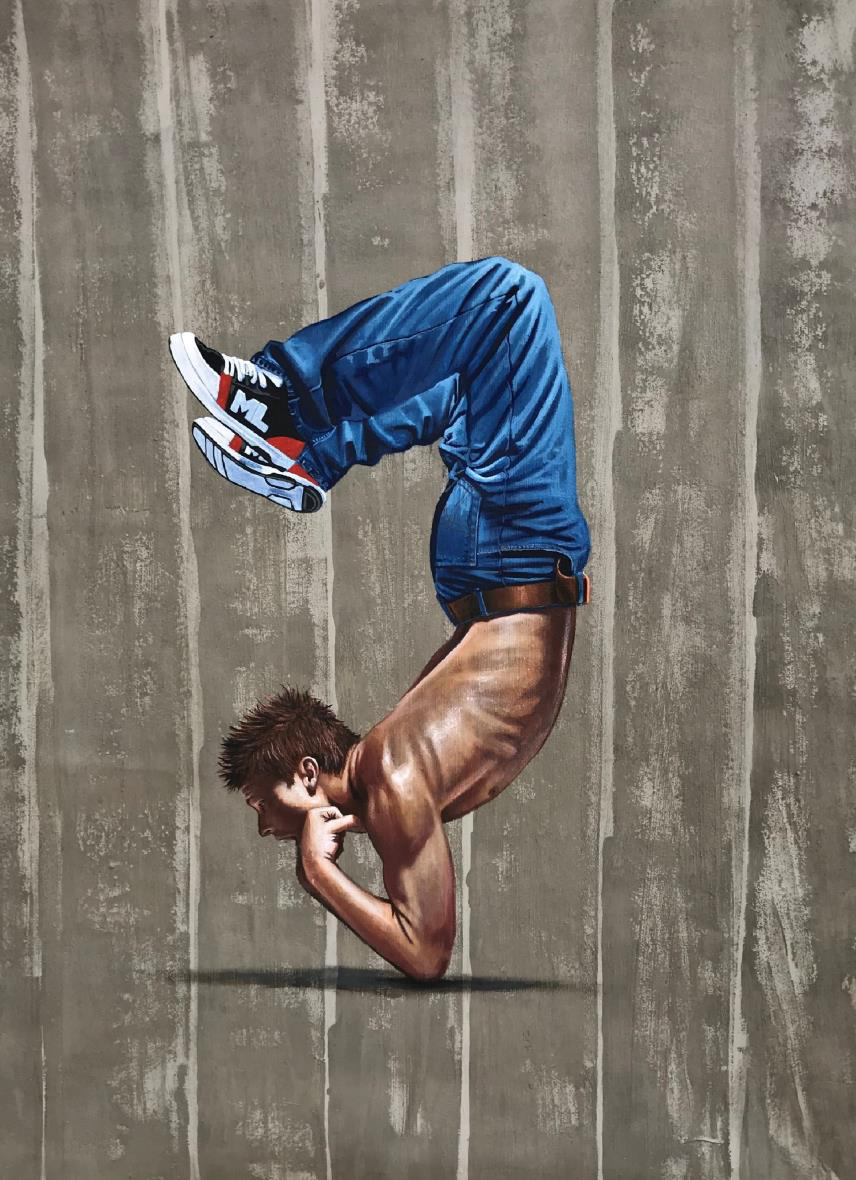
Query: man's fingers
(343, 824)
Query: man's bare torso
(476, 716)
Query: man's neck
(337, 787)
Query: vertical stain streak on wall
(331, 954)
(492, 42)
(785, 963)
(35, 688)
(159, 17)
(30, 660)
(316, 93)
(608, 383)
(462, 119)
(744, 558)
(43, 1145)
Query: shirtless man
(471, 356)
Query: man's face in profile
(282, 806)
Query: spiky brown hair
(277, 732)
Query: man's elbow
(430, 963)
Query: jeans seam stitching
(475, 519)
(543, 549)
(508, 443)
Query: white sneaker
(247, 399)
(251, 467)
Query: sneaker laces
(235, 366)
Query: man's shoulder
(384, 774)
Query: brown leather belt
(566, 589)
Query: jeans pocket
(455, 531)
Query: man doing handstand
(470, 356)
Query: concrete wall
(659, 916)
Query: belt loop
(583, 589)
(482, 607)
(567, 582)
(444, 606)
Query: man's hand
(322, 840)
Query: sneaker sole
(212, 438)
(204, 384)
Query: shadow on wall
(356, 979)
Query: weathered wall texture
(660, 916)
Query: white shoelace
(235, 366)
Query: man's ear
(309, 771)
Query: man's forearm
(374, 920)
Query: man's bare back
(478, 713)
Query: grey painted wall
(660, 916)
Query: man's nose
(264, 828)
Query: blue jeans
(469, 355)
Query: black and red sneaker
(249, 467)
(243, 396)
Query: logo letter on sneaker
(252, 410)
